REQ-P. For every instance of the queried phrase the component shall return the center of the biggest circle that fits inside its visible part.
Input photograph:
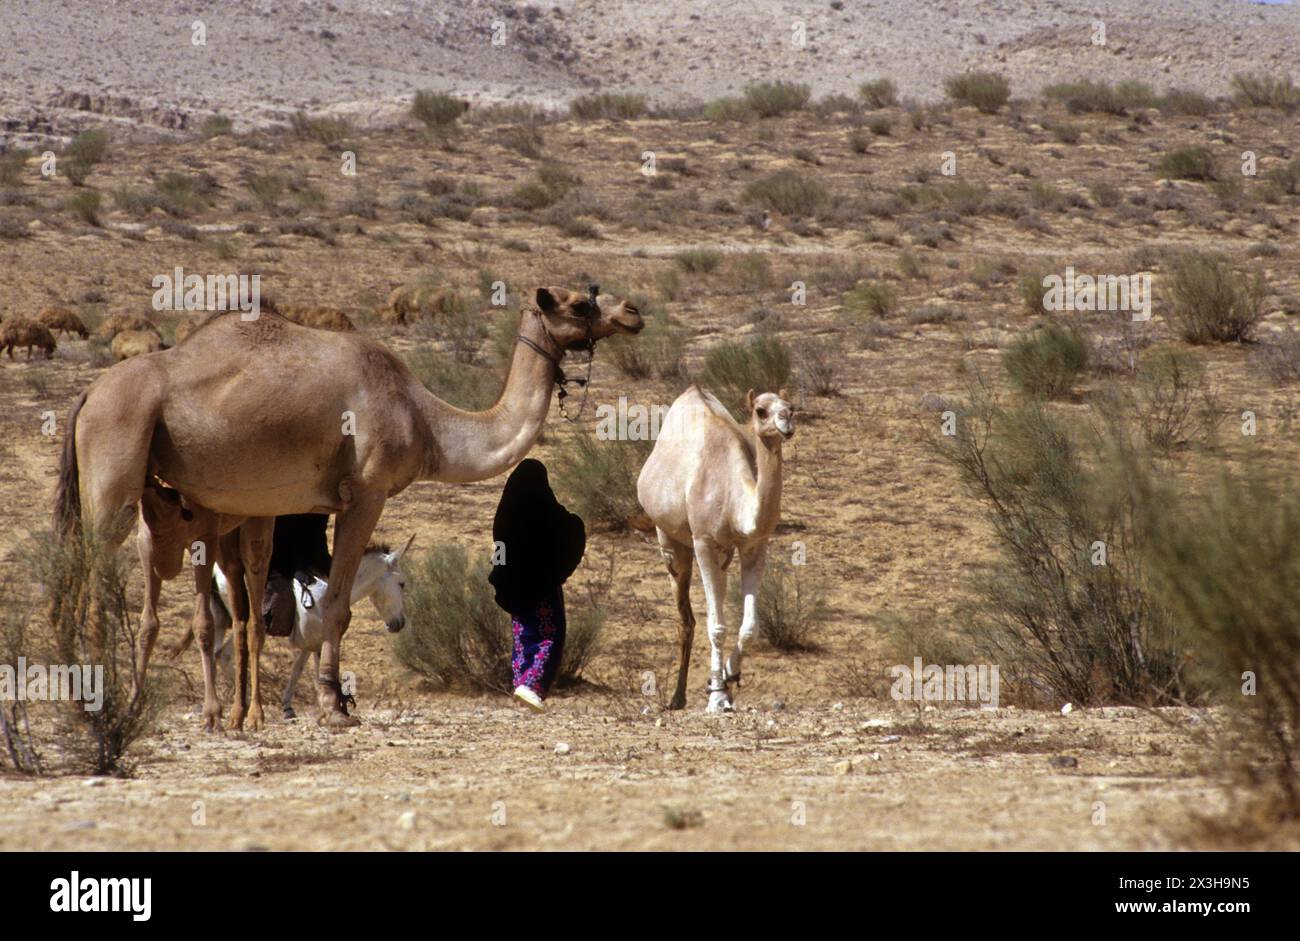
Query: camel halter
(589, 344)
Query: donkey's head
(387, 595)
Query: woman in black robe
(538, 546)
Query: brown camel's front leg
(205, 627)
(352, 531)
(255, 539)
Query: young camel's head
(572, 318)
(771, 416)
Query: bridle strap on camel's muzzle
(589, 344)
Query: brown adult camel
(255, 418)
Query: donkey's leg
(679, 558)
(286, 701)
(715, 591)
(255, 537)
(204, 628)
(352, 530)
(751, 575)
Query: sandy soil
(457, 774)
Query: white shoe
(530, 699)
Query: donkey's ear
(546, 301)
(749, 400)
(402, 551)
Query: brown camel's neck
(473, 446)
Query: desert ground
(816, 755)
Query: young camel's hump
(272, 430)
(690, 464)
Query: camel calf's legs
(255, 537)
(149, 616)
(679, 558)
(715, 591)
(204, 629)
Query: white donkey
(379, 578)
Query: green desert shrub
(435, 110)
(1101, 97)
(1065, 609)
(87, 619)
(1261, 90)
(698, 260)
(325, 129)
(608, 105)
(1182, 101)
(596, 478)
(655, 353)
(85, 206)
(792, 604)
(1188, 163)
(13, 163)
(455, 635)
(773, 99)
(1210, 302)
(728, 109)
(868, 299)
(879, 93)
(1223, 560)
(732, 368)
(1048, 361)
(787, 192)
(987, 91)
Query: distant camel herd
(243, 420)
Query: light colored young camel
(713, 488)
(256, 418)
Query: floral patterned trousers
(539, 644)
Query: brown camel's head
(572, 317)
(771, 415)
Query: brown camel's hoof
(256, 721)
(336, 719)
(212, 719)
(235, 723)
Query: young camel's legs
(352, 530)
(679, 558)
(204, 628)
(149, 616)
(714, 577)
(751, 576)
(232, 566)
(255, 537)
